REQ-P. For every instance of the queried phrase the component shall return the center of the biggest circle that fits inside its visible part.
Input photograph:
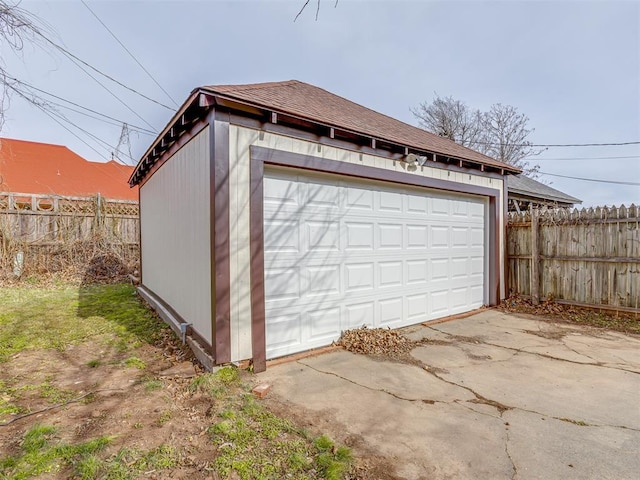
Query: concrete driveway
(490, 396)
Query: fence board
(591, 256)
(53, 229)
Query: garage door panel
(417, 272)
(390, 236)
(390, 201)
(359, 277)
(323, 236)
(282, 283)
(417, 237)
(390, 274)
(358, 314)
(281, 236)
(324, 324)
(359, 236)
(284, 332)
(390, 312)
(323, 280)
(359, 199)
(417, 307)
(349, 253)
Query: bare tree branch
(306, 3)
(500, 133)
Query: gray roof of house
(519, 184)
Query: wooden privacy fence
(589, 257)
(44, 233)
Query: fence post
(535, 258)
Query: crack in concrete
(551, 357)
(479, 399)
(506, 450)
(381, 390)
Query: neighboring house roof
(316, 104)
(530, 188)
(44, 168)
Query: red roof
(31, 167)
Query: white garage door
(341, 253)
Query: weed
(152, 385)
(137, 425)
(135, 362)
(165, 417)
(55, 394)
(94, 363)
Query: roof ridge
(256, 86)
(2, 139)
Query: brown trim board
(261, 156)
(171, 317)
(219, 237)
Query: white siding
(175, 219)
(240, 140)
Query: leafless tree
(500, 133)
(17, 27)
(452, 119)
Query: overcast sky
(573, 67)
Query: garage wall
(240, 141)
(174, 208)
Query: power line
(119, 122)
(54, 115)
(549, 145)
(129, 52)
(71, 55)
(587, 158)
(616, 182)
(112, 94)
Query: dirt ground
(140, 408)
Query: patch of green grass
(94, 363)
(215, 384)
(41, 454)
(56, 317)
(55, 394)
(258, 445)
(135, 362)
(153, 385)
(165, 417)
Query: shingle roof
(31, 167)
(532, 188)
(312, 103)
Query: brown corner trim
(256, 229)
(219, 236)
(261, 156)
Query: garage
(341, 253)
(276, 215)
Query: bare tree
(500, 133)
(452, 119)
(17, 27)
(505, 138)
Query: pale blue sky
(572, 67)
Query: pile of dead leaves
(549, 309)
(374, 341)
(519, 304)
